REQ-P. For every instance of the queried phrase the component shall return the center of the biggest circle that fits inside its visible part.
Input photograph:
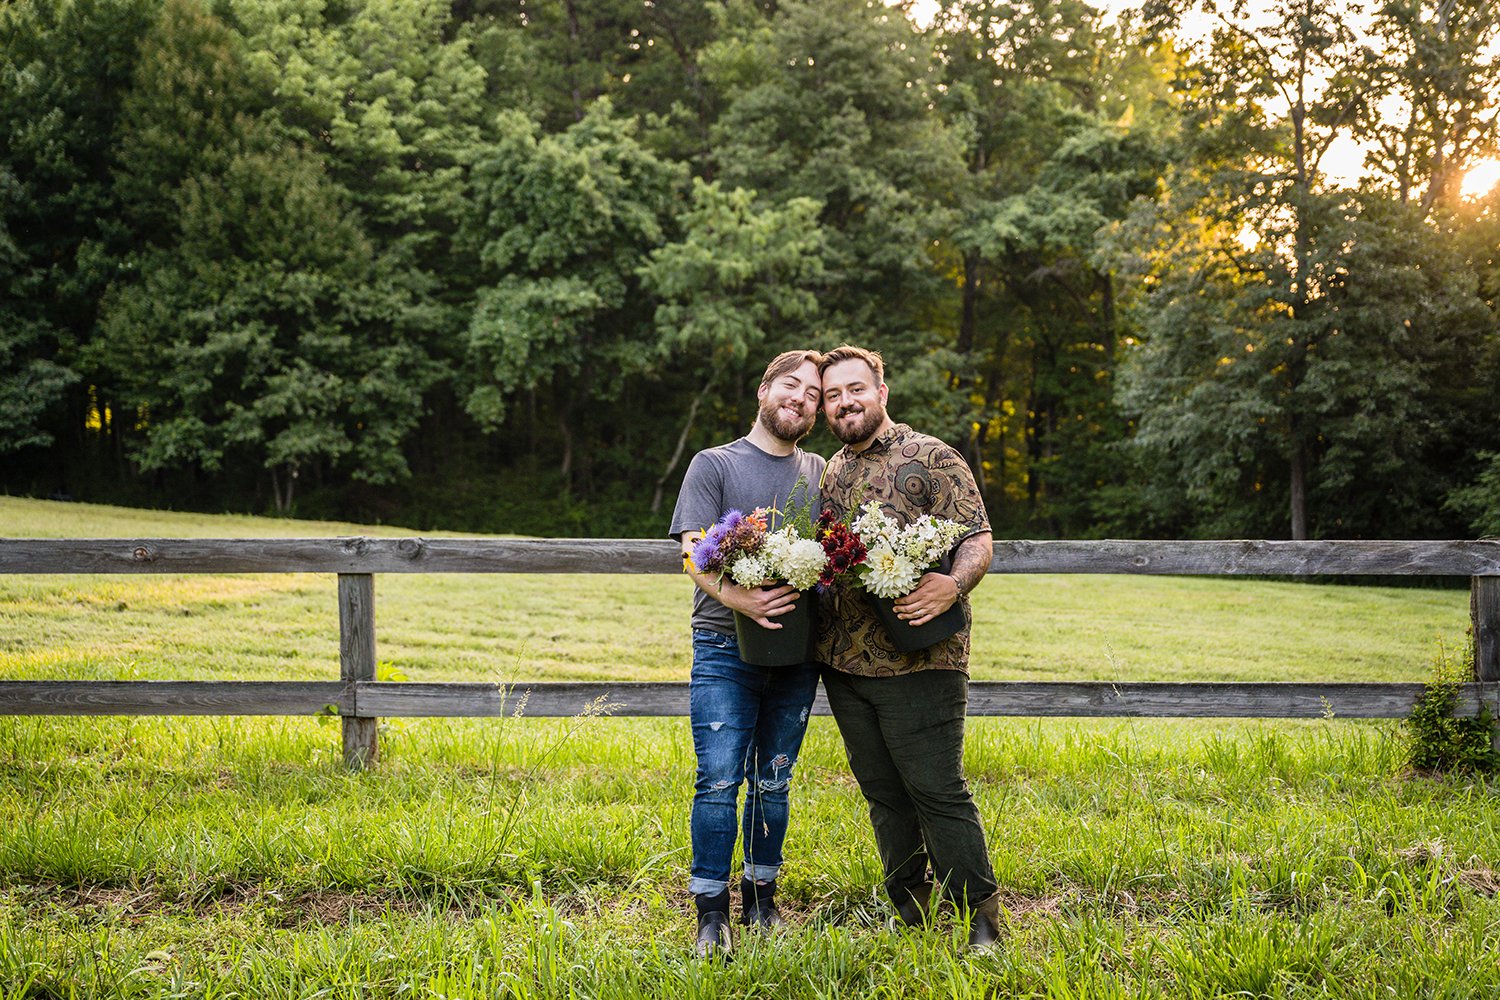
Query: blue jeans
(748, 724)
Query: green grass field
(547, 858)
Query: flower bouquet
(895, 559)
(753, 550)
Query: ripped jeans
(748, 724)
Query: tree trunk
(283, 497)
(687, 427)
(1107, 338)
(976, 466)
(1299, 493)
(969, 316)
(573, 59)
(565, 466)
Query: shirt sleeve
(954, 494)
(698, 501)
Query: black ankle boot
(759, 903)
(714, 940)
(913, 905)
(984, 925)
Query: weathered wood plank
(986, 698)
(1209, 699)
(174, 697)
(574, 555)
(357, 664)
(1484, 612)
(1008, 698)
(1250, 557)
(549, 699)
(338, 555)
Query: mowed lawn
(631, 627)
(516, 857)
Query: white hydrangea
(749, 571)
(773, 551)
(891, 574)
(802, 563)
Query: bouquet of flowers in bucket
(752, 548)
(896, 556)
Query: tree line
(503, 265)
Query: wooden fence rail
(361, 701)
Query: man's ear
(760, 393)
(885, 393)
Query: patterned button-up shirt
(910, 474)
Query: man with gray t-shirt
(748, 721)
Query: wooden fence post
(357, 662)
(1484, 611)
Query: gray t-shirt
(736, 476)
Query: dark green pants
(905, 739)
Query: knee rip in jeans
(773, 785)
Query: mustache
(844, 411)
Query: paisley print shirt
(910, 474)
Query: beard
(858, 425)
(785, 425)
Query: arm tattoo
(972, 561)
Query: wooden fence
(361, 700)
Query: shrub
(1436, 740)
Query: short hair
(848, 352)
(789, 361)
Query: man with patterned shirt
(902, 714)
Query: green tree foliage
(1428, 100)
(391, 96)
(739, 286)
(277, 353)
(427, 261)
(1062, 113)
(741, 281)
(829, 100)
(565, 223)
(64, 68)
(256, 325)
(1297, 336)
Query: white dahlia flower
(891, 574)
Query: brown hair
(789, 361)
(848, 352)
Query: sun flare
(1481, 178)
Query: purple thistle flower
(708, 554)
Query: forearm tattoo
(971, 562)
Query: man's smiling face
(853, 400)
(789, 402)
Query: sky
(1341, 164)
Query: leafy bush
(1436, 739)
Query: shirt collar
(885, 439)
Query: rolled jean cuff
(706, 886)
(761, 873)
